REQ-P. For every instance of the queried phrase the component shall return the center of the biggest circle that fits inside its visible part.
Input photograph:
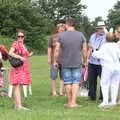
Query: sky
(98, 8)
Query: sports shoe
(111, 104)
(103, 105)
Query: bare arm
(11, 52)
(57, 52)
(90, 49)
(49, 55)
(89, 54)
(30, 54)
(85, 52)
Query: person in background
(70, 46)
(117, 38)
(94, 68)
(51, 59)
(109, 56)
(3, 57)
(21, 75)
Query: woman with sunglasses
(21, 75)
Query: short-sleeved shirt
(52, 45)
(71, 48)
(20, 75)
(97, 41)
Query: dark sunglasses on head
(21, 36)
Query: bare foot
(67, 104)
(74, 105)
(55, 95)
(61, 94)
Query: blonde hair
(110, 37)
(60, 25)
(118, 29)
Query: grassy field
(45, 107)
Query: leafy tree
(86, 27)
(114, 16)
(18, 14)
(39, 18)
(61, 9)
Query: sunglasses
(21, 36)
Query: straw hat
(100, 24)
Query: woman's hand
(56, 64)
(92, 47)
(21, 58)
(30, 54)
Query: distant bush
(6, 41)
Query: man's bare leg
(54, 88)
(61, 87)
(75, 88)
(68, 88)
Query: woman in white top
(117, 35)
(109, 56)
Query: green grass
(45, 107)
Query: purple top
(96, 40)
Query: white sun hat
(100, 24)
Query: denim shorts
(72, 75)
(54, 72)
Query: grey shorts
(54, 72)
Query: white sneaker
(103, 105)
(111, 104)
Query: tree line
(39, 18)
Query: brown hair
(52, 37)
(71, 22)
(21, 31)
(4, 52)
